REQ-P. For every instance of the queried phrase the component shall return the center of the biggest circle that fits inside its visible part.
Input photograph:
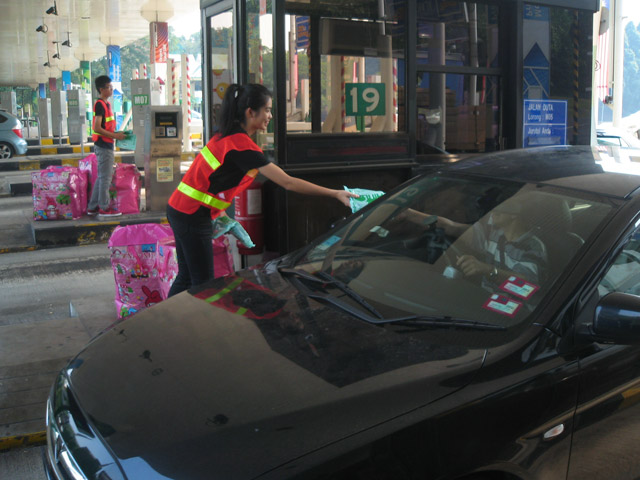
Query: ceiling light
(53, 10)
(47, 64)
(42, 28)
(56, 55)
(67, 42)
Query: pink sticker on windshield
(503, 305)
(519, 287)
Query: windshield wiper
(326, 279)
(346, 289)
(417, 321)
(412, 321)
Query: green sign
(364, 99)
(141, 99)
(73, 103)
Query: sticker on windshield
(519, 287)
(328, 242)
(502, 304)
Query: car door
(607, 421)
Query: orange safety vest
(193, 190)
(109, 123)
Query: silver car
(11, 141)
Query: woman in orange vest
(225, 167)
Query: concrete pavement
(56, 293)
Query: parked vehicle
(11, 140)
(382, 350)
(629, 145)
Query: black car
(481, 321)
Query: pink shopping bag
(126, 181)
(59, 193)
(133, 259)
(167, 261)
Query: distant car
(629, 144)
(11, 141)
(382, 351)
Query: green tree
(631, 72)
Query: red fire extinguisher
(248, 213)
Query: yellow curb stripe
(8, 443)
(29, 165)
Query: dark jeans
(194, 249)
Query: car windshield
(456, 247)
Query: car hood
(248, 374)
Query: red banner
(159, 41)
(52, 84)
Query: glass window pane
(260, 57)
(222, 61)
(359, 60)
(457, 33)
(457, 113)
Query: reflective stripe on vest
(203, 197)
(211, 159)
(109, 119)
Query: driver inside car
(503, 244)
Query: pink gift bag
(125, 184)
(59, 193)
(126, 181)
(133, 259)
(167, 261)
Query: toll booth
(145, 93)
(8, 102)
(365, 92)
(59, 113)
(77, 119)
(163, 133)
(44, 117)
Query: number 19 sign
(364, 99)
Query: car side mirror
(617, 319)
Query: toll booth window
(345, 65)
(457, 113)
(457, 33)
(222, 61)
(260, 57)
(458, 104)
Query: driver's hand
(470, 266)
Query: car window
(3, 118)
(609, 141)
(430, 248)
(624, 273)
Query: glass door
(220, 58)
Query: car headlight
(74, 450)
(58, 455)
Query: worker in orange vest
(225, 167)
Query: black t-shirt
(98, 110)
(236, 165)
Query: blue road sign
(545, 123)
